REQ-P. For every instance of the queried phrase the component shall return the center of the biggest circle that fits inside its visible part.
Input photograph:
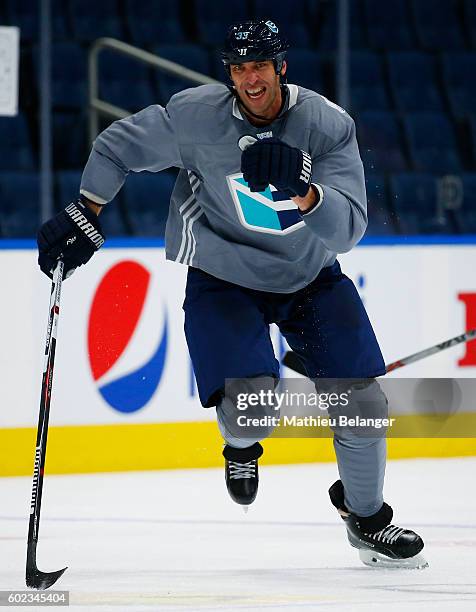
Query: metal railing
(101, 107)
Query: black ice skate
(380, 544)
(241, 472)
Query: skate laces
(388, 534)
(242, 470)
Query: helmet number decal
(242, 35)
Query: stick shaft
(292, 361)
(45, 401)
(437, 348)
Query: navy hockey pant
(227, 332)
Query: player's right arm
(144, 141)
(147, 140)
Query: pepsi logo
(127, 336)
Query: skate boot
(241, 472)
(380, 544)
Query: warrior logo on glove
(88, 228)
(306, 171)
(73, 236)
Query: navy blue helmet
(252, 41)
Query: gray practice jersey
(215, 223)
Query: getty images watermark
(394, 407)
(339, 406)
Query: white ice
(173, 541)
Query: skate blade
(375, 559)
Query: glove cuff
(319, 196)
(86, 220)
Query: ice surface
(173, 541)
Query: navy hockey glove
(273, 161)
(73, 235)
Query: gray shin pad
(240, 436)
(361, 454)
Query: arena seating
(367, 83)
(472, 136)
(388, 25)
(152, 22)
(125, 81)
(466, 216)
(148, 195)
(469, 18)
(15, 144)
(438, 25)
(413, 82)
(66, 189)
(381, 220)
(381, 142)
(191, 56)
(70, 144)
(294, 14)
(414, 197)
(432, 143)
(19, 210)
(412, 94)
(305, 68)
(459, 86)
(92, 19)
(69, 75)
(324, 26)
(209, 18)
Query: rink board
(124, 394)
(154, 446)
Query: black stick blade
(36, 579)
(292, 361)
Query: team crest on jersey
(269, 211)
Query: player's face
(257, 85)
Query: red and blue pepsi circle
(117, 308)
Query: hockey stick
(35, 578)
(292, 361)
(437, 348)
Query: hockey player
(270, 190)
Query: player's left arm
(327, 184)
(335, 206)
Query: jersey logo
(269, 211)
(272, 27)
(246, 141)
